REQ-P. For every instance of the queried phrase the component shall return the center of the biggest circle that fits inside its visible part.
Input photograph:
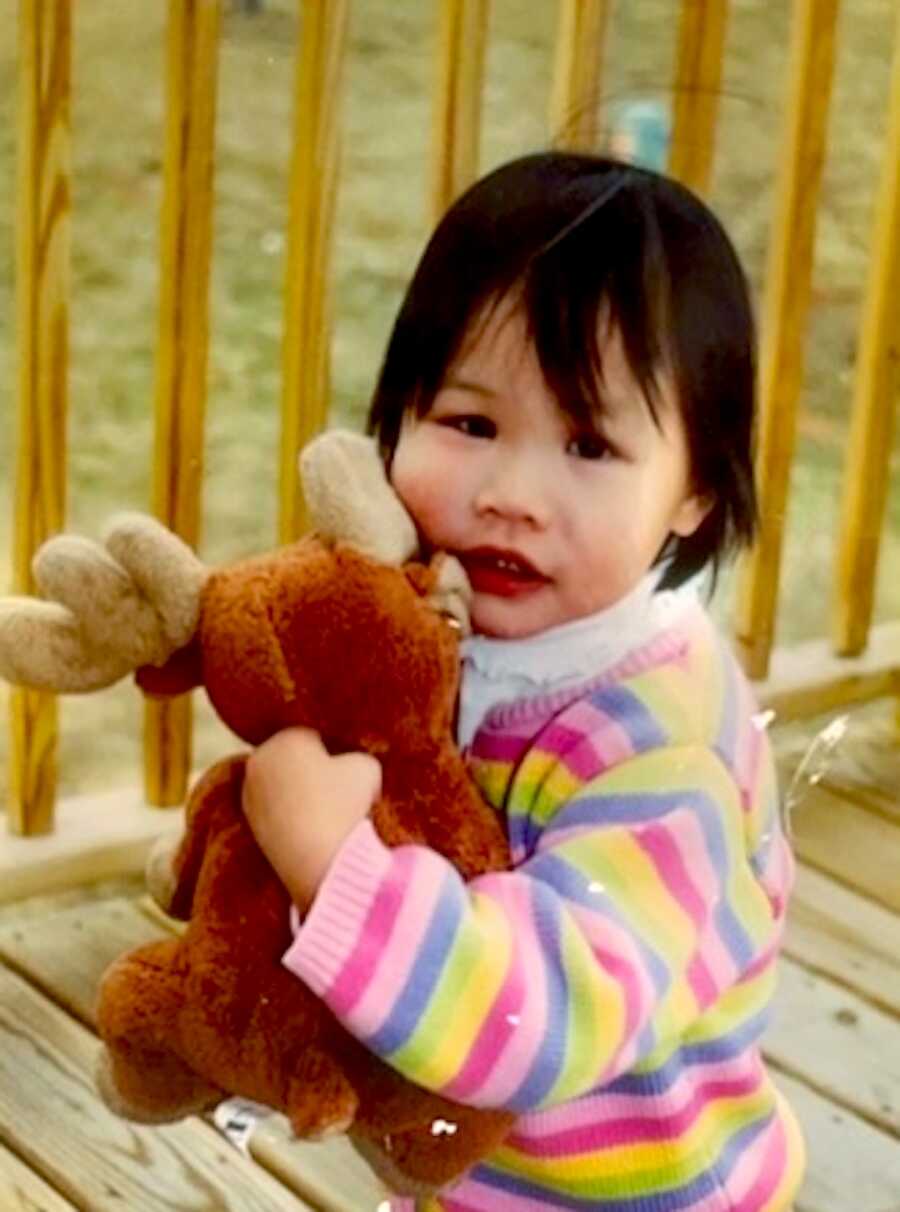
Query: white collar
(572, 649)
(497, 671)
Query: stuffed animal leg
(139, 1074)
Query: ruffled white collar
(495, 671)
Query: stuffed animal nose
(452, 594)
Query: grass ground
(382, 223)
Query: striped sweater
(611, 988)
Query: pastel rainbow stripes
(613, 987)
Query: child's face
(550, 523)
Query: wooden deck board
(858, 847)
(21, 1190)
(852, 1166)
(330, 1175)
(64, 955)
(852, 941)
(864, 767)
(51, 1117)
(838, 1044)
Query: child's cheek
(417, 484)
(622, 559)
(428, 511)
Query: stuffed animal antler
(110, 608)
(351, 643)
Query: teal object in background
(641, 130)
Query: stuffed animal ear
(350, 499)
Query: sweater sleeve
(637, 909)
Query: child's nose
(513, 491)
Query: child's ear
(691, 512)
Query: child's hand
(301, 804)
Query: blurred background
(382, 222)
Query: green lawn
(382, 223)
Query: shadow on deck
(835, 1043)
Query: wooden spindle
(574, 114)
(456, 138)
(181, 369)
(313, 191)
(42, 289)
(696, 91)
(784, 315)
(869, 453)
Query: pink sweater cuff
(325, 939)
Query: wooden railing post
(574, 114)
(307, 295)
(181, 369)
(457, 101)
(784, 313)
(869, 452)
(697, 89)
(42, 237)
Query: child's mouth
(503, 573)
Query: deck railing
(861, 664)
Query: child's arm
(639, 908)
(301, 803)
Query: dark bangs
(531, 230)
(602, 271)
(580, 241)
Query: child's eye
(589, 446)
(471, 424)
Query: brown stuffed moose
(343, 632)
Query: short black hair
(577, 238)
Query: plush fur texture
(330, 639)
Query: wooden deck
(835, 1045)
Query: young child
(566, 405)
